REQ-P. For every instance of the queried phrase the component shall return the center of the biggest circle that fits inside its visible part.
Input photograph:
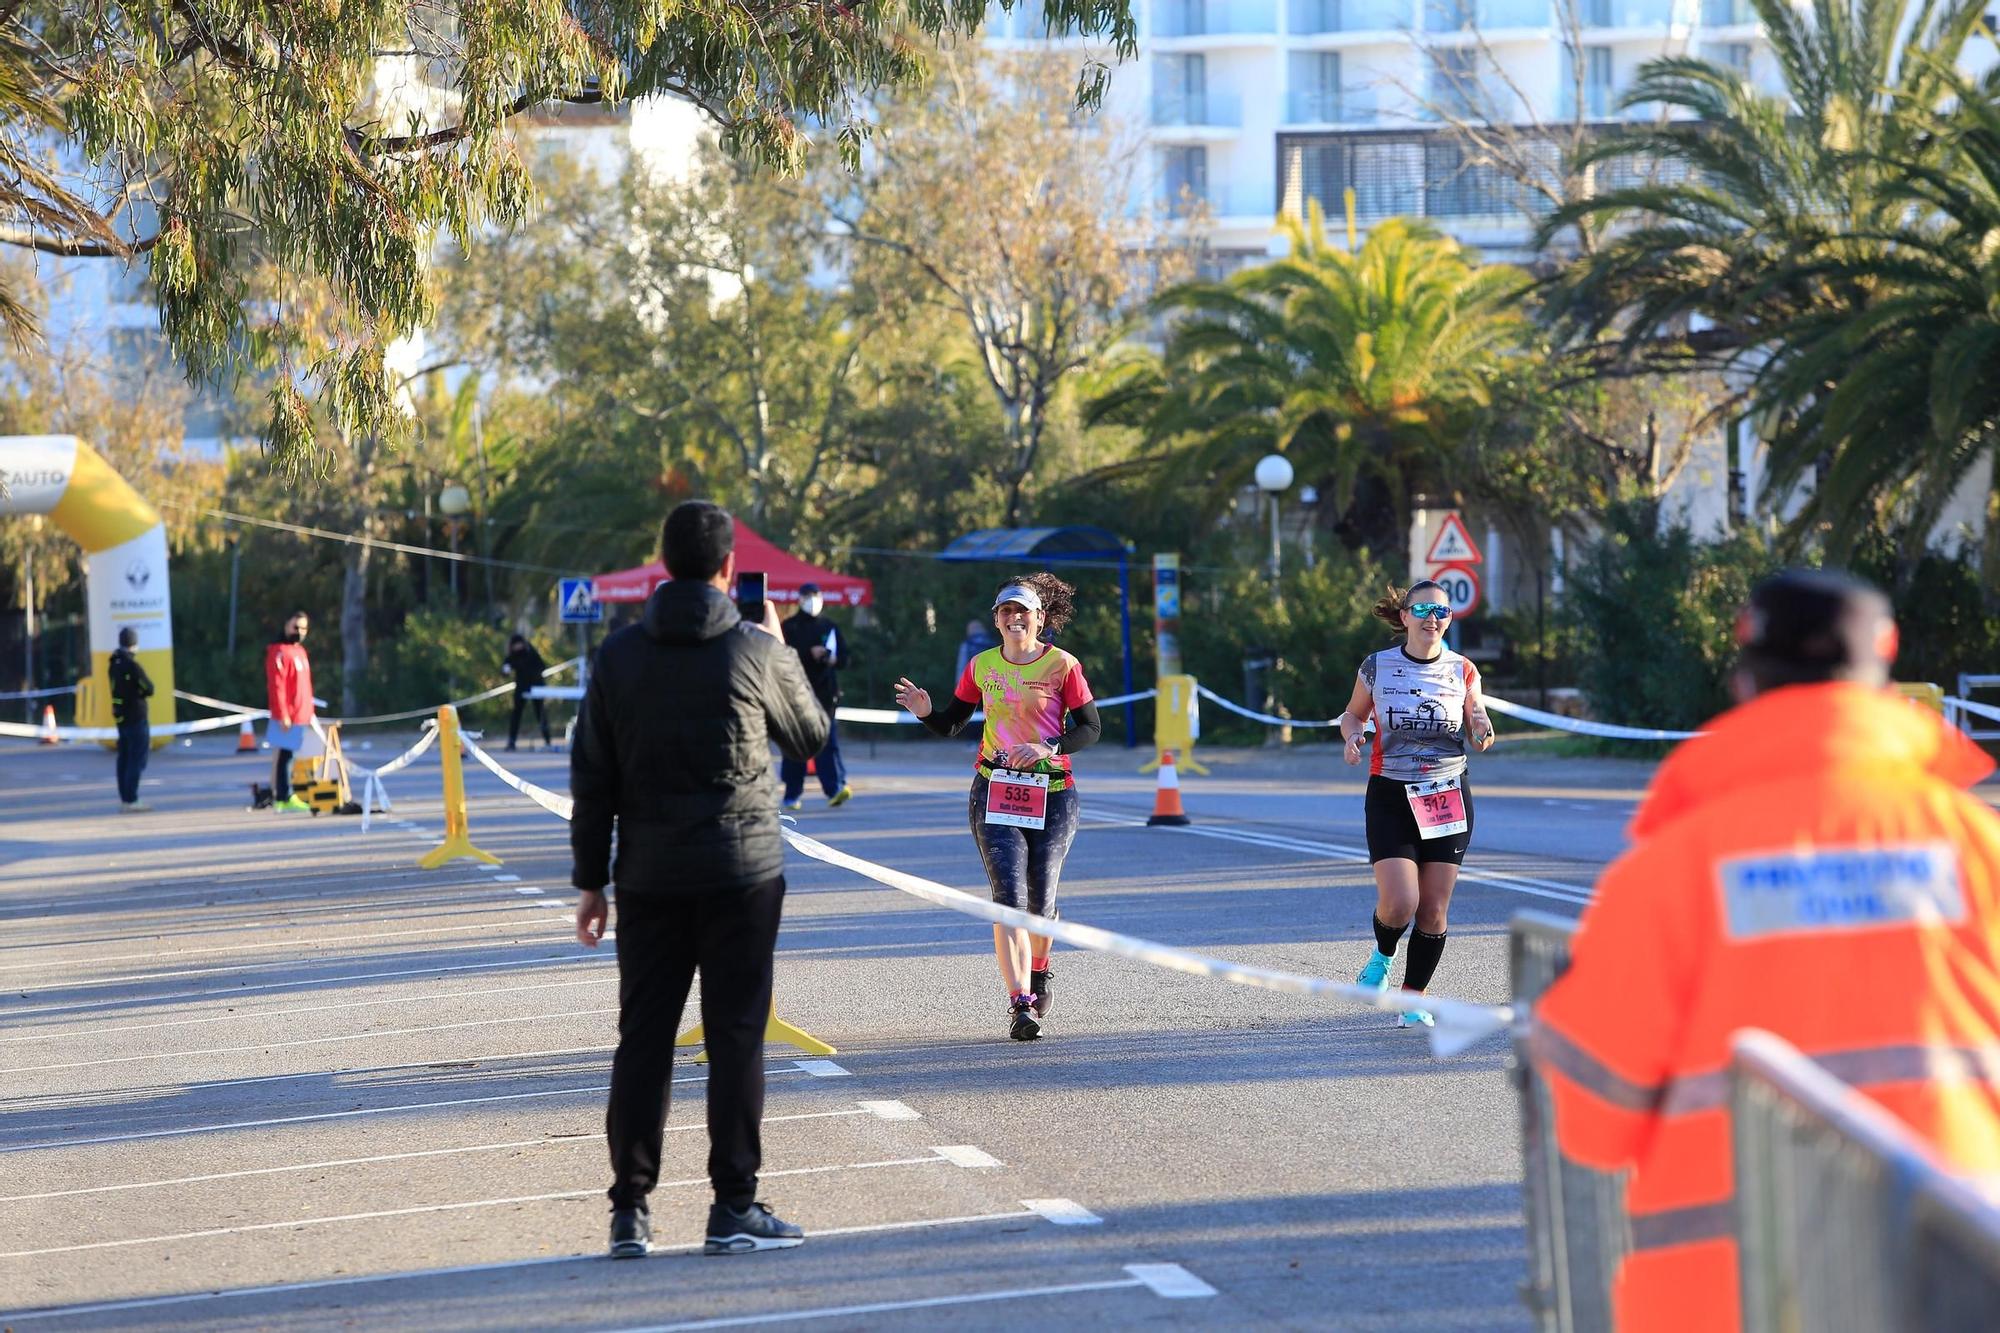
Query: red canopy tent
(783, 573)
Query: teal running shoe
(1416, 1018)
(1376, 973)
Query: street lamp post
(454, 501)
(1274, 474)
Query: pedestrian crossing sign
(1453, 544)
(579, 602)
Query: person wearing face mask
(1426, 704)
(289, 688)
(822, 651)
(1022, 806)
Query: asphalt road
(261, 1071)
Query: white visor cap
(1018, 592)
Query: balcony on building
(1218, 200)
(1197, 110)
(1215, 18)
(1312, 18)
(1632, 15)
(1727, 14)
(1332, 106)
(1442, 16)
(1420, 173)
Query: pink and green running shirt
(1024, 702)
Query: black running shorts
(1392, 829)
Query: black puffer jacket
(673, 743)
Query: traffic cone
(48, 736)
(1167, 796)
(246, 739)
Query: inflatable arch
(125, 558)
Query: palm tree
(1902, 397)
(1357, 365)
(1727, 228)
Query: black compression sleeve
(1085, 726)
(949, 720)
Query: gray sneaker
(746, 1230)
(631, 1233)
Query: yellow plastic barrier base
(451, 849)
(775, 1029)
(457, 833)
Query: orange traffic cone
(1167, 796)
(246, 739)
(48, 736)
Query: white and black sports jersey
(1419, 713)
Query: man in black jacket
(130, 688)
(822, 651)
(673, 745)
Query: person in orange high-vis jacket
(288, 687)
(1814, 866)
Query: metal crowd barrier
(1577, 1232)
(1845, 1220)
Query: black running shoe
(1038, 982)
(631, 1233)
(745, 1230)
(1026, 1027)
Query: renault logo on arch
(137, 575)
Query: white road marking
(1537, 888)
(343, 883)
(245, 948)
(337, 1115)
(888, 1307)
(401, 1001)
(81, 1006)
(564, 1140)
(965, 1155)
(890, 1111)
(1063, 1212)
(460, 1270)
(1170, 1280)
(421, 1209)
(822, 1068)
(527, 889)
(505, 879)
(310, 1041)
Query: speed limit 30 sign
(1461, 587)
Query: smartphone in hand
(750, 596)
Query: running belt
(984, 767)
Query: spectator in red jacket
(288, 681)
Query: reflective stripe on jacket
(1811, 866)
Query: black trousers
(135, 746)
(663, 938)
(541, 715)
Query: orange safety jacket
(1812, 866)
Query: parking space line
(85, 1005)
(461, 1270)
(310, 1041)
(544, 1142)
(419, 1210)
(1063, 1212)
(1131, 1281)
(338, 1115)
(472, 893)
(399, 1000)
(965, 1155)
(122, 903)
(240, 948)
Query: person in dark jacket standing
(526, 666)
(130, 688)
(673, 747)
(822, 652)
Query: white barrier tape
(406, 716)
(53, 690)
(26, 732)
(1581, 727)
(1460, 1023)
(1252, 713)
(902, 716)
(373, 791)
(561, 806)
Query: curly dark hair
(1058, 598)
(1395, 601)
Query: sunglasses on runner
(1430, 610)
